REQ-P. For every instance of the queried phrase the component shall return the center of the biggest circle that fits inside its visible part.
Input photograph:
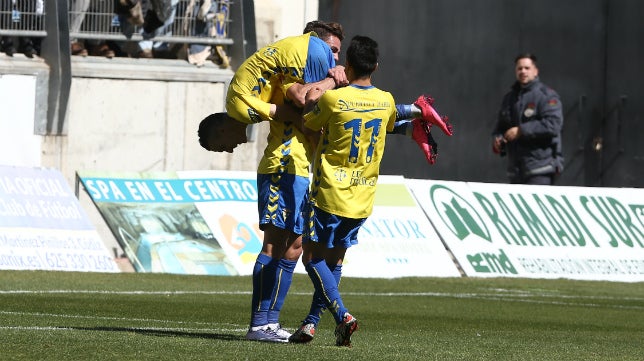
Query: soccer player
(283, 172)
(283, 180)
(299, 59)
(294, 65)
(354, 121)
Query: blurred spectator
(130, 10)
(90, 20)
(77, 10)
(200, 15)
(158, 17)
(205, 19)
(21, 15)
(99, 47)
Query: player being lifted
(283, 172)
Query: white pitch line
(525, 297)
(146, 320)
(126, 329)
(163, 293)
(504, 294)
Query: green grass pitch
(91, 316)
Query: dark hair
(362, 55)
(325, 29)
(526, 56)
(207, 125)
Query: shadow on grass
(163, 333)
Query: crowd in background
(14, 14)
(148, 19)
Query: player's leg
(283, 279)
(280, 202)
(327, 245)
(326, 286)
(288, 195)
(306, 331)
(347, 324)
(325, 282)
(263, 279)
(317, 240)
(346, 235)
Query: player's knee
(293, 253)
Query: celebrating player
(283, 173)
(354, 121)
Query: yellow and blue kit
(296, 59)
(355, 121)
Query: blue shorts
(335, 231)
(281, 201)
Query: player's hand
(497, 143)
(512, 134)
(339, 76)
(313, 95)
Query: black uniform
(536, 110)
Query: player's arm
(311, 99)
(286, 113)
(297, 91)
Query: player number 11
(355, 126)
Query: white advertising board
(205, 222)
(193, 222)
(397, 240)
(538, 231)
(43, 227)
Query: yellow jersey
(355, 121)
(283, 62)
(287, 150)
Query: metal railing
(52, 23)
(22, 18)
(95, 19)
(100, 22)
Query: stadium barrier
(205, 222)
(27, 18)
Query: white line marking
(126, 329)
(501, 294)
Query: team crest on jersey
(340, 174)
(529, 110)
(270, 52)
